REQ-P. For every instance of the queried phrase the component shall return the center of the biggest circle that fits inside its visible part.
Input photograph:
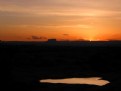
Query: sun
(90, 40)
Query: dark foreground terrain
(27, 64)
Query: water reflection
(90, 81)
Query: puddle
(89, 81)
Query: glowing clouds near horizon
(89, 81)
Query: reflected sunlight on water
(89, 81)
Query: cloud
(66, 34)
(38, 38)
(64, 12)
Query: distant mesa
(52, 40)
(82, 40)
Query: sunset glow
(93, 20)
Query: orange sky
(28, 20)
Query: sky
(39, 20)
